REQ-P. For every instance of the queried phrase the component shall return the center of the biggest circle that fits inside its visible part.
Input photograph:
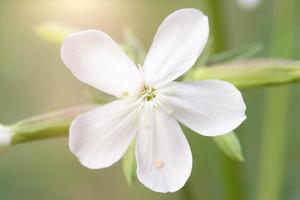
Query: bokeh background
(33, 80)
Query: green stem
(217, 27)
(231, 173)
(232, 179)
(272, 164)
(273, 144)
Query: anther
(125, 93)
(158, 163)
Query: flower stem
(273, 147)
(218, 29)
(231, 174)
(232, 179)
(273, 144)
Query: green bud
(50, 125)
(53, 32)
(251, 73)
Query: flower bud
(53, 32)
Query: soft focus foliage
(53, 32)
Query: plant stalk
(273, 146)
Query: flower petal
(5, 138)
(177, 44)
(100, 137)
(209, 107)
(164, 159)
(95, 59)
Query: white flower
(249, 4)
(149, 101)
(5, 137)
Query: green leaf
(230, 145)
(129, 164)
(238, 54)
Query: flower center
(148, 93)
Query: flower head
(149, 101)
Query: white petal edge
(95, 59)
(179, 41)
(99, 138)
(210, 107)
(5, 136)
(164, 159)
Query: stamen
(140, 68)
(148, 93)
(150, 97)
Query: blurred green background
(33, 80)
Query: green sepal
(230, 146)
(238, 54)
